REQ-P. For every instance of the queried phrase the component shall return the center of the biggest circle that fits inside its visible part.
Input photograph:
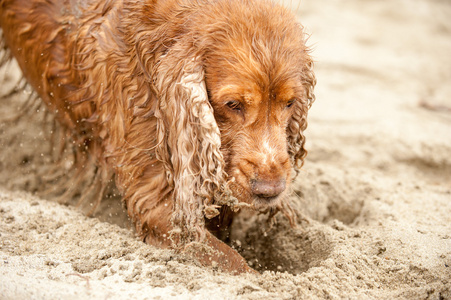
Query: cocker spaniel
(196, 107)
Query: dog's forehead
(253, 93)
(239, 91)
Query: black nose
(267, 188)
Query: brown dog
(197, 107)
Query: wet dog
(197, 108)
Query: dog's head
(234, 93)
(259, 82)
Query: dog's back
(35, 33)
(41, 36)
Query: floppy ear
(188, 140)
(298, 122)
(295, 133)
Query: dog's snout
(267, 188)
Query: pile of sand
(375, 190)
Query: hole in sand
(281, 248)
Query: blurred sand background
(375, 190)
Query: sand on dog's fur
(375, 190)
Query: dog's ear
(295, 131)
(298, 122)
(188, 138)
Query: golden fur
(197, 107)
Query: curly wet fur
(128, 81)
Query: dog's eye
(291, 102)
(234, 105)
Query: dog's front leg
(156, 226)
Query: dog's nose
(267, 188)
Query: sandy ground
(375, 190)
